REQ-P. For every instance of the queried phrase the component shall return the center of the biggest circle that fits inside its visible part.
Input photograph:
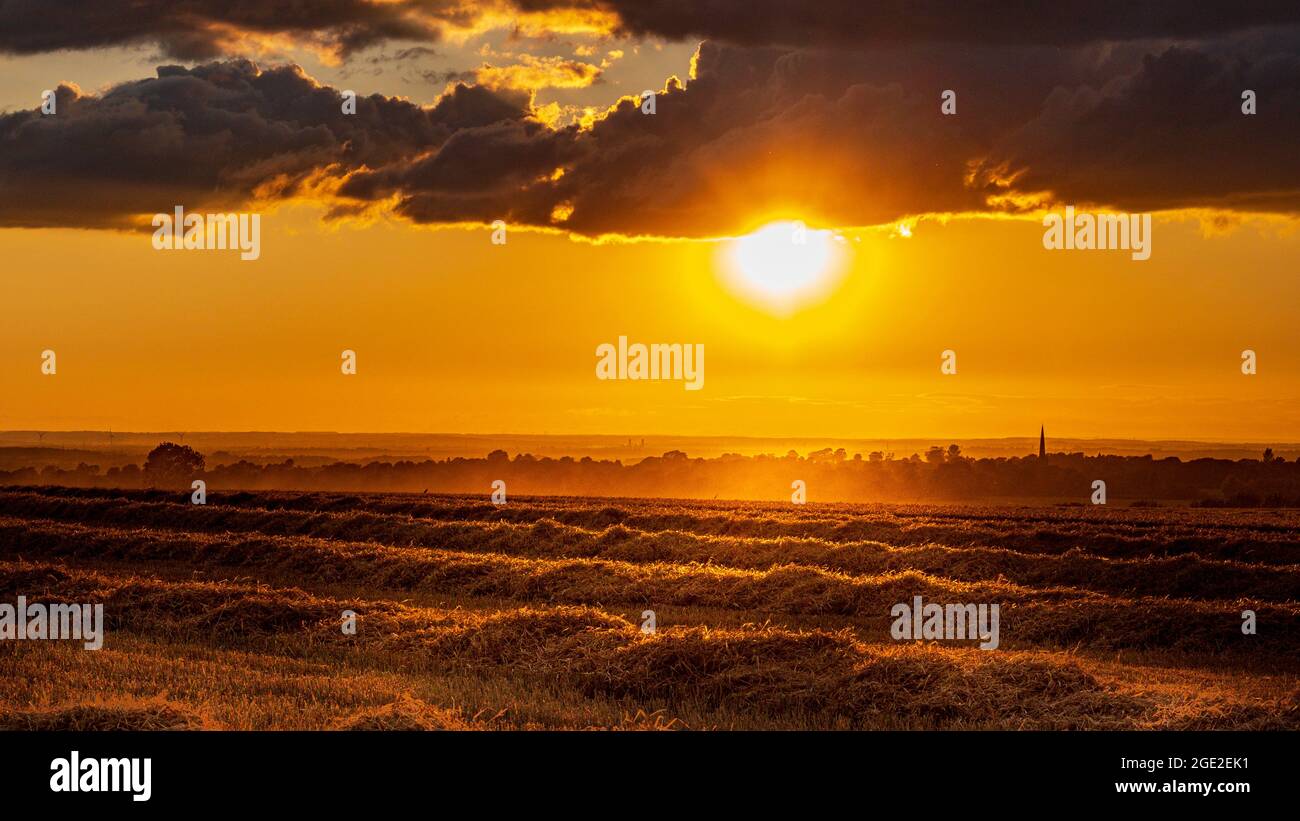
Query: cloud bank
(833, 117)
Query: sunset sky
(376, 238)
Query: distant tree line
(941, 474)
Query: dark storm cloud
(200, 29)
(858, 138)
(858, 22)
(211, 135)
(1171, 134)
(834, 136)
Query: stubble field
(230, 615)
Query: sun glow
(783, 265)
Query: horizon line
(730, 437)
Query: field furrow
(1099, 529)
(1060, 617)
(1185, 576)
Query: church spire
(1042, 442)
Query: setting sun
(783, 265)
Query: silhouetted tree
(1206, 482)
(173, 465)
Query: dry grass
(1261, 536)
(541, 631)
(406, 712)
(1047, 616)
(153, 714)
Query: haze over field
(68, 448)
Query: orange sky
(455, 334)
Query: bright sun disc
(782, 265)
